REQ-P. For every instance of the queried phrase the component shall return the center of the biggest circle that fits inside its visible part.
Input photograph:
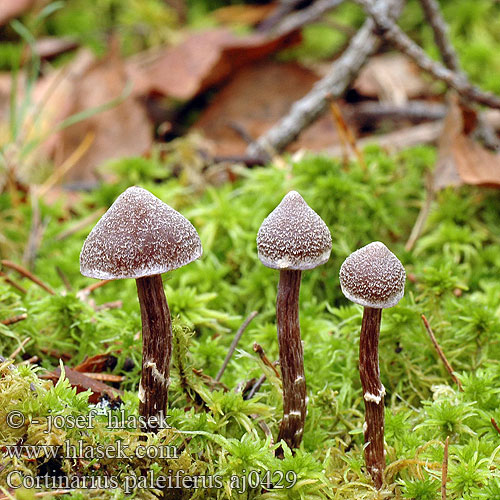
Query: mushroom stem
(373, 394)
(156, 349)
(291, 360)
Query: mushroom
(374, 278)
(292, 238)
(141, 237)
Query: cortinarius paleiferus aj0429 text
(141, 237)
(292, 238)
(374, 278)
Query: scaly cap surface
(373, 277)
(293, 236)
(138, 236)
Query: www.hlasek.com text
(81, 450)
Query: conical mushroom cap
(293, 236)
(138, 236)
(373, 277)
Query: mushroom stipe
(291, 359)
(292, 238)
(155, 317)
(373, 394)
(374, 278)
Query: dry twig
(30, 361)
(312, 105)
(36, 233)
(19, 348)
(394, 34)
(104, 377)
(211, 382)
(27, 274)
(14, 319)
(440, 30)
(115, 304)
(85, 292)
(440, 352)
(262, 355)
(422, 215)
(250, 394)
(345, 133)
(234, 343)
(81, 224)
(367, 112)
(64, 279)
(484, 131)
(495, 425)
(311, 14)
(11, 282)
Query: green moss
(220, 434)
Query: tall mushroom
(374, 278)
(141, 237)
(292, 238)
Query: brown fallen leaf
(201, 61)
(392, 78)
(9, 9)
(83, 383)
(247, 14)
(96, 364)
(82, 86)
(253, 101)
(461, 160)
(123, 130)
(49, 47)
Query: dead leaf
(83, 383)
(461, 160)
(9, 9)
(392, 78)
(254, 100)
(123, 130)
(202, 61)
(247, 14)
(96, 364)
(80, 86)
(49, 47)
(392, 142)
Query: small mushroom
(292, 238)
(374, 278)
(141, 237)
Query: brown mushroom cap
(138, 236)
(293, 236)
(373, 277)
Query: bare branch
(282, 10)
(343, 71)
(369, 111)
(394, 34)
(440, 29)
(484, 132)
(309, 15)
